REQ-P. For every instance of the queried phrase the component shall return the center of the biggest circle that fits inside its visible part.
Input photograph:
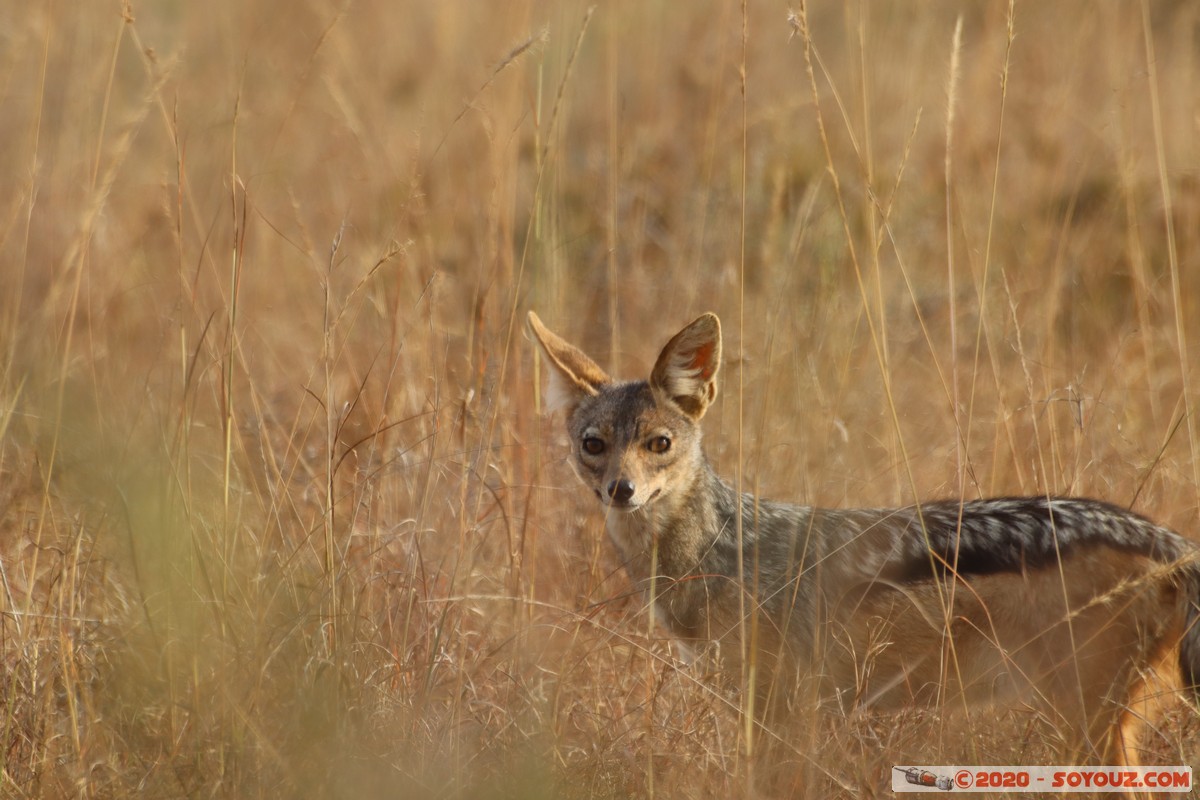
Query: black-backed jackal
(1085, 606)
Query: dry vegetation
(278, 513)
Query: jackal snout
(621, 490)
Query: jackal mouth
(625, 506)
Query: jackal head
(638, 442)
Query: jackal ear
(574, 375)
(686, 371)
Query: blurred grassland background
(278, 513)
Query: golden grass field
(279, 516)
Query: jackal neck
(679, 530)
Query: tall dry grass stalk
(279, 513)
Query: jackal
(1086, 607)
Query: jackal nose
(621, 490)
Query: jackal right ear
(574, 376)
(686, 370)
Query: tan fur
(1068, 644)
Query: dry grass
(278, 515)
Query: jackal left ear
(686, 370)
(573, 376)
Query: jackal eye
(659, 444)
(593, 446)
